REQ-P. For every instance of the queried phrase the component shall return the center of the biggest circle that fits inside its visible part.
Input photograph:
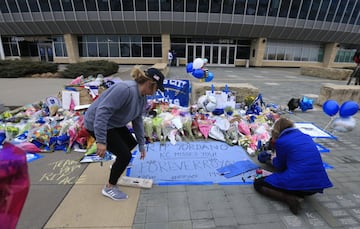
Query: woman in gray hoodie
(108, 115)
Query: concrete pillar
(166, 46)
(330, 51)
(257, 51)
(2, 53)
(72, 47)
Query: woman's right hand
(100, 149)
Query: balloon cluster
(198, 70)
(345, 122)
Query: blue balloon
(306, 104)
(330, 107)
(209, 77)
(198, 73)
(348, 109)
(189, 67)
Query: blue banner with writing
(176, 92)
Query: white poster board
(66, 98)
(223, 99)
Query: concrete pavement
(209, 206)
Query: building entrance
(217, 54)
(46, 52)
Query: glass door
(46, 52)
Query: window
(34, 7)
(332, 10)
(323, 9)
(153, 5)
(215, 6)
(178, 5)
(115, 5)
(55, 5)
(127, 5)
(274, 7)
(140, 5)
(228, 6)
(355, 13)
(345, 55)
(79, 5)
(103, 5)
(203, 6)
(305, 7)
(59, 46)
(314, 10)
(239, 7)
(294, 9)
(3, 7)
(67, 6)
(251, 7)
(262, 8)
(340, 10)
(90, 5)
(10, 46)
(22, 5)
(190, 6)
(284, 8)
(12, 6)
(44, 5)
(348, 11)
(165, 5)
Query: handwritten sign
(188, 162)
(62, 172)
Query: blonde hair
(280, 125)
(140, 77)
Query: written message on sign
(62, 172)
(192, 162)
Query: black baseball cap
(157, 76)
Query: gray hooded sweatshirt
(116, 107)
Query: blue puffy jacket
(298, 163)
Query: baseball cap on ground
(157, 76)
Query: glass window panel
(340, 10)
(262, 8)
(140, 5)
(314, 9)
(203, 6)
(125, 50)
(228, 6)
(102, 38)
(274, 7)
(67, 6)
(294, 9)
(3, 7)
(157, 50)
(125, 38)
(147, 50)
(153, 5)
(103, 5)
(64, 49)
(24, 49)
(33, 5)
(23, 5)
(7, 50)
(103, 49)
(90, 5)
(90, 38)
(348, 11)
(14, 49)
(114, 49)
(115, 5)
(355, 13)
(215, 54)
(127, 5)
(12, 6)
(113, 38)
(284, 8)
(190, 6)
(92, 49)
(323, 9)
(231, 55)
(178, 5)
(82, 50)
(239, 6)
(33, 49)
(58, 49)
(157, 39)
(178, 40)
(332, 9)
(215, 6)
(305, 7)
(79, 5)
(146, 39)
(251, 7)
(135, 50)
(55, 5)
(136, 38)
(180, 50)
(44, 5)
(165, 5)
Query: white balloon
(344, 124)
(198, 63)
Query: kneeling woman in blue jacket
(298, 164)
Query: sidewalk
(73, 200)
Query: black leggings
(260, 182)
(119, 142)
